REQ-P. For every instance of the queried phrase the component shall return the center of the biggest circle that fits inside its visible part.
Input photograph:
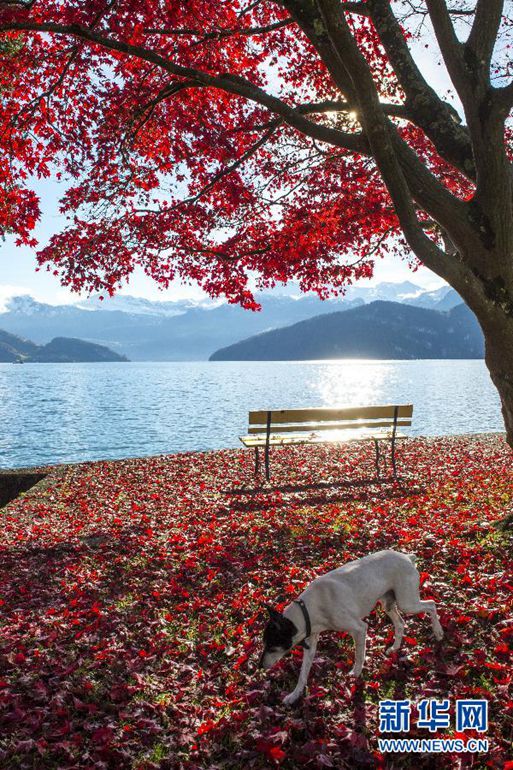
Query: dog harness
(308, 625)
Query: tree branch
(145, 113)
(249, 7)
(504, 99)
(386, 145)
(403, 172)
(436, 118)
(420, 10)
(471, 77)
(358, 8)
(307, 17)
(51, 90)
(233, 84)
(235, 165)
(451, 48)
(220, 33)
(337, 105)
(483, 35)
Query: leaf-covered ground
(131, 595)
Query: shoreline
(52, 466)
(30, 480)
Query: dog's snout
(263, 662)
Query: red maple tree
(292, 139)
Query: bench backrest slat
(356, 414)
(311, 427)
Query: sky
(18, 264)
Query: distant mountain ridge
(383, 330)
(165, 331)
(15, 349)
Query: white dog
(338, 601)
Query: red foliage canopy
(204, 141)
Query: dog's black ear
(273, 614)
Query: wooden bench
(283, 427)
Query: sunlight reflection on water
(352, 382)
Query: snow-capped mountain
(443, 298)
(28, 306)
(163, 331)
(140, 306)
(386, 291)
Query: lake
(53, 413)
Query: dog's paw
(439, 634)
(391, 650)
(356, 672)
(291, 698)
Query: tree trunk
(497, 326)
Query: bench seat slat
(314, 438)
(321, 414)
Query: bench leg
(376, 444)
(394, 466)
(257, 461)
(267, 441)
